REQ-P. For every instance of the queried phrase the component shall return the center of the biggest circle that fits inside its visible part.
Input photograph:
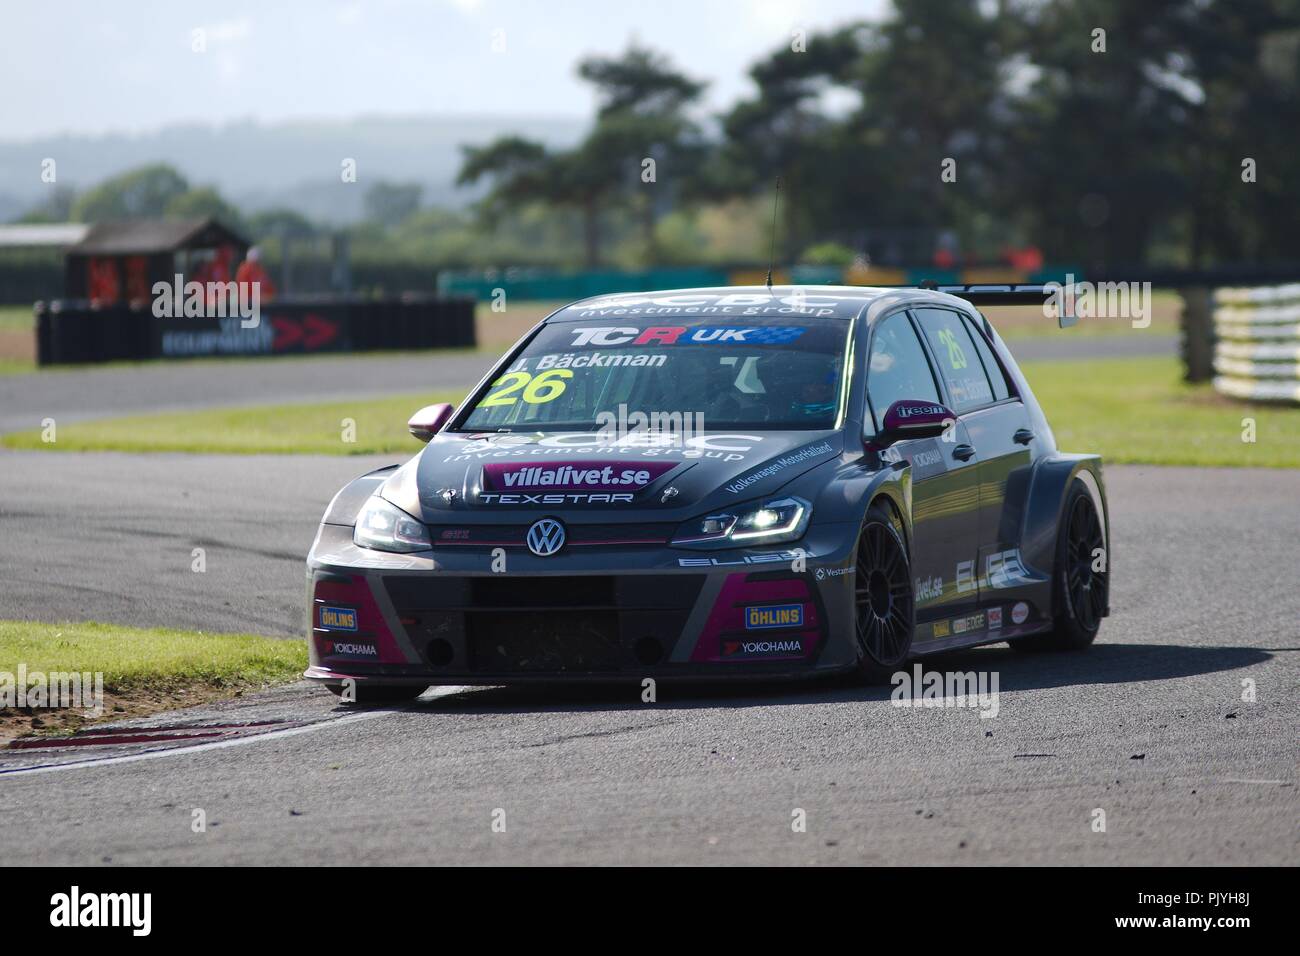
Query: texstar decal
(573, 476)
(683, 335)
(995, 618)
(494, 498)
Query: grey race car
(716, 483)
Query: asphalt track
(1149, 726)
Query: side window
(994, 371)
(959, 362)
(898, 368)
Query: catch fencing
(71, 332)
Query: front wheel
(882, 596)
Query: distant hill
(293, 164)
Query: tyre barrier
(75, 332)
(1257, 343)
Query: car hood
(498, 476)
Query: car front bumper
(624, 612)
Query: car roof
(828, 301)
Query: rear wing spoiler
(1055, 293)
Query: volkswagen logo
(545, 537)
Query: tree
(642, 117)
(56, 207)
(392, 203)
(203, 202)
(136, 194)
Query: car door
(998, 426)
(945, 481)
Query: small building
(32, 259)
(120, 261)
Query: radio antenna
(771, 259)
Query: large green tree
(136, 194)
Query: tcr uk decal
(682, 335)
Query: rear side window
(997, 379)
(959, 361)
(898, 368)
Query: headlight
(771, 522)
(385, 527)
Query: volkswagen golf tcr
(717, 483)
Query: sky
(133, 66)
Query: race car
(717, 483)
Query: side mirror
(429, 420)
(912, 418)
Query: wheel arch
(1049, 484)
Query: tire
(380, 693)
(882, 590)
(1079, 593)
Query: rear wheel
(883, 597)
(363, 693)
(1081, 582)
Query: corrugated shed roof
(137, 236)
(42, 234)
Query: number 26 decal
(537, 389)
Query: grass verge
(1129, 410)
(144, 669)
(1139, 410)
(380, 426)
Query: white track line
(219, 744)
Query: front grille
(560, 624)
(555, 642)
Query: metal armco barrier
(75, 333)
(1257, 342)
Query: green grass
(1128, 410)
(154, 658)
(1140, 410)
(266, 429)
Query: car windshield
(751, 373)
